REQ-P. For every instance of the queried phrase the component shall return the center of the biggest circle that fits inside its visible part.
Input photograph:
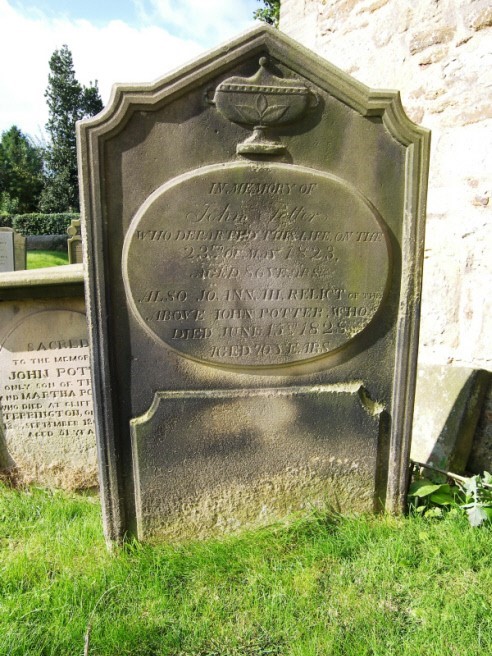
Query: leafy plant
(270, 13)
(471, 495)
(21, 172)
(38, 223)
(68, 102)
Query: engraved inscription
(45, 386)
(256, 265)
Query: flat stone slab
(480, 459)
(260, 455)
(448, 402)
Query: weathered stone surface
(6, 250)
(438, 54)
(480, 459)
(227, 301)
(56, 282)
(74, 243)
(258, 456)
(432, 37)
(254, 328)
(479, 16)
(448, 403)
(46, 418)
(12, 250)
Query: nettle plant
(472, 495)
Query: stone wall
(47, 243)
(438, 55)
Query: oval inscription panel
(244, 265)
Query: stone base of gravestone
(448, 403)
(46, 416)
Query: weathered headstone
(74, 244)
(12, 250)
(46, 418)
(254, 243)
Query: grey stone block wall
(438, 55)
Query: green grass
(41, 259)
(322, 586)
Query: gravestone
(74, 244)
(254, 230)
(12, 250)
(46, 418)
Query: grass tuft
(365, 585)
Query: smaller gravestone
(75, 242)
(12, 250)
(46, 424)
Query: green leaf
(422, 488)
(471, 485)
(477, 515)
(487, 478)
(270, 13)
(443, 497)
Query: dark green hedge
(5, 221)
(38, 224)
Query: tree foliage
(21, 172)
(270, 13)
(68, 102)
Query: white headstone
(6, 249)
